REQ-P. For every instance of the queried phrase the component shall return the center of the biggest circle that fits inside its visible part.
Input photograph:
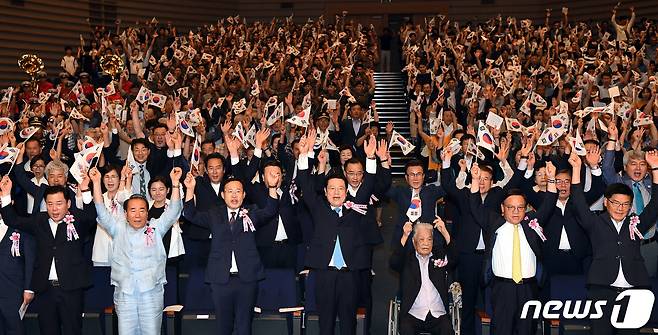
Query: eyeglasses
(515, 208)
(618, 204)
(415, 175)
(563, 181)
(355, 174)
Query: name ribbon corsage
(632, 228)
(15, 244)
(534, 224)
(71, 233)
(359, 208)
(247, 224)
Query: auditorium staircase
(392, 105)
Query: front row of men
(338, 251)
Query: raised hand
(5, 186)
(408, 227)
(446, 155)
(370, 146)
(226, 127)
(593, 157)
(574, 160)
(175, 175)
(439, 224)
(550, 170)
(189, 182)
(95, 176)
(475, 172)
(262, 136)
(382, 150)
(310, 139)
(233, 146)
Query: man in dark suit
(513, 255)
(423, 275)
(337, 251)
(416, 202)
(17, 257)
(62, 271)
(617, 263)
(470, 234)
(354, 171)
(56, 173)
(351, 129)
(234, 267)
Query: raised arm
(547, 206)
(587, 218)
(105, 219)
(190, 212)
(173, 211)
(9, 215)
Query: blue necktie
(339, 261)
(637, 198)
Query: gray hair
(57, 165)
(633, 154)
(420, 226)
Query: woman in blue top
(138, 257)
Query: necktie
(339, 262)
(516, 256)
(637, 198)
(337, 210)
(231, 221)
(142, 181)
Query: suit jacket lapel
(608, 221)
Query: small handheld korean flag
(6, 125)
(8, 155)
(415, 208)
(239, 133)
(240, 106)
(537, 100)
(26, 133)
(250, 137)
(397, 139)
(548, 136)
(560, 123)
(494, 120)
(485, 140)
(514, 125)
(275, 115)
(301, 119)
(183, 91)
(185, 127)
(170, 79)
(196, 153)
(255, 89)
(144, 95)
(109, 90)
(158, 100)
(577, 144)
(307, 101)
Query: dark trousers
(234, 306)
(507, 300)
(409, 325)
(603, 325)
(365, 297)
(280, 255)
(469, 272)
(10, 322)
(336, 295)
(60, 309)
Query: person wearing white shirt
(513, 253)
(423, 279)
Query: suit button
(618, 242)
(54, 248)
(618, 257)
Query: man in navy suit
(338, 250)
(617, 235)
(416, 202)
(17, 256)
(353, 128)
(513, 254)
(62, 271)
(234, 267)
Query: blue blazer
(224, 242)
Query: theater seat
(198, 311)
(99, 302)
(569, 287)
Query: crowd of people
(242, 147)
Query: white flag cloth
(403, 143)
(301, 119)
(484, 138)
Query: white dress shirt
(331, 262)
(234, 264)
(30, 198)
(52, 275)
(428, 299)
(564, 238)
(504, 248)
(621, 280)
